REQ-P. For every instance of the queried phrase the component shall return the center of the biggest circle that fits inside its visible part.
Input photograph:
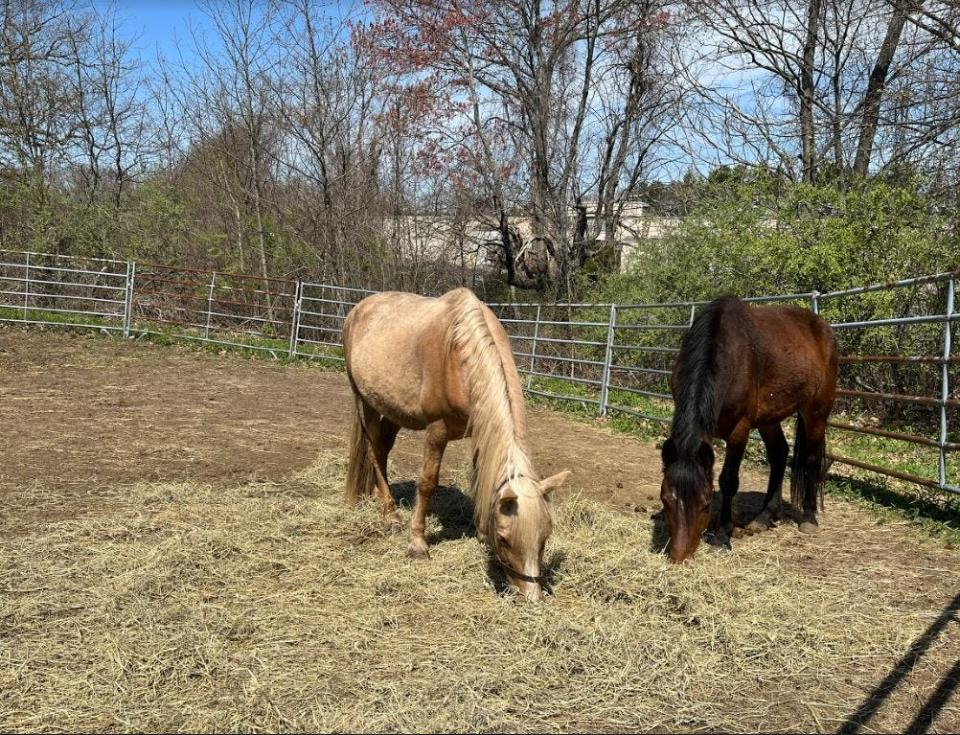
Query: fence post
(533, 349)
(815, 302)
(945, 383)
(607, 360)
(128, 304)
(295, 320)
(26, 289)
(213, 284)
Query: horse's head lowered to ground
(519, 527)
(686, 493)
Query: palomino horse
(742, 367)
(445, 365)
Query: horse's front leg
(730, 481)
(777, 452)
(435, 444)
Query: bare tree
(552, 100)
(111, 118)
(828, 80)
(37, 108)
(230, 112)
(877, 82)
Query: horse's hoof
(809, 527)
(418, 551)
(718, 539)
(393, 525)
(761, 523)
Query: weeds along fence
(895, 414)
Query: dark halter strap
(539, 579)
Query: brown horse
(742, 367)
(445, 365)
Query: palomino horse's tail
(809, 469)
(360, 471)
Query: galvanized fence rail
(37, 288)
(317, 330)
(611, 359)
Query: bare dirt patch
(88, 411)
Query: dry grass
(273, 607)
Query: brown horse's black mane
(687, 457)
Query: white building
(473, 242)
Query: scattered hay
(274, 607)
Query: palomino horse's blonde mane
(498, 424)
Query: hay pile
(187, 607)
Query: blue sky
(167, 28)
(160, 26)
(155, 26)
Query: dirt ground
(88, 414)
(85, 411)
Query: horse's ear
(551, 483)
(706, 455)
(669, 452)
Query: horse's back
(396, 345)
(796, 361)
(791, 332)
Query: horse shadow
(452, 508)
(747, 505)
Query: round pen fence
(223, 308)
(37, 288)
(318, 328)
(896, 343)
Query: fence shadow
(934, 507)
(931, 708)
(450, 505)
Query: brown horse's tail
(809, 469)
(360, 472)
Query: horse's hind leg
(777, 452)
(388, 436)
(378, 430)
(429, 477)
(809, 468)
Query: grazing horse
(445, 365)
(742, 367)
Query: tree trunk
(261, 237)
(875, 86)
(807, 133)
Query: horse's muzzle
(532, 591)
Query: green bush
(750, 234)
